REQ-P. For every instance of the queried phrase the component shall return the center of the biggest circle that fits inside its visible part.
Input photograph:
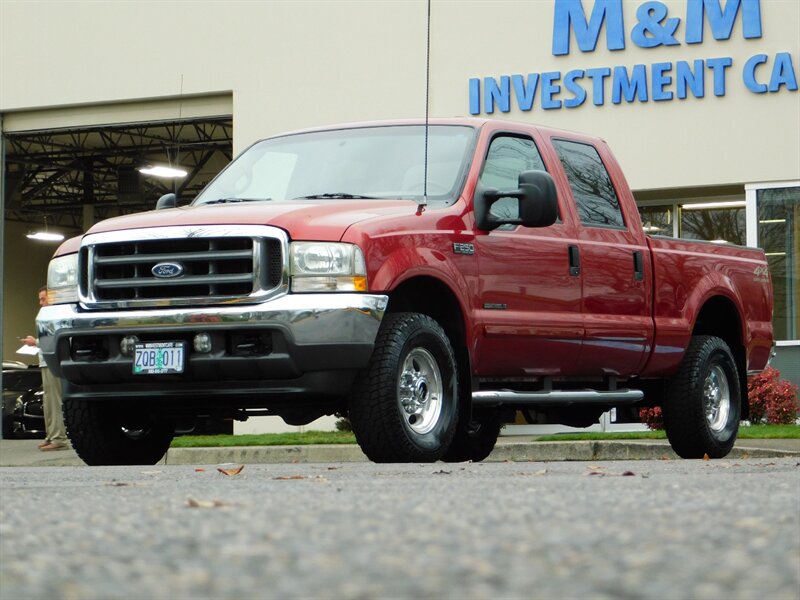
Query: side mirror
(537, 203)
(167, 201)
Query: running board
(555, 397)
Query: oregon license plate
(157, 358)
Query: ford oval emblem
(167, 270)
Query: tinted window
(507, 158)
(591, 186)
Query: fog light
(127, 345)
(202, 343)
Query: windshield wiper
(342, 195)
(231, 200)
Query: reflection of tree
(722, 224)
(591, 186)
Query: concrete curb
(23, 453)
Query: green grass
(346, 437)
(745, 433)
(265, 439)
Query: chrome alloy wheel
(419, 391)
(716, 398)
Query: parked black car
(23, 414)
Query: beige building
(699, 100)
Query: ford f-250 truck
(428, 282)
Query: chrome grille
(197, 266)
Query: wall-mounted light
(162, 171)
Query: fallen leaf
(289, 477)
(199, 470)
(629, 474)
(442, 472)
(192, 503)
(705, 457)
(233, 471)
(118, 484)
(542, 472)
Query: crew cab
(428, 280)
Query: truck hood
(324, 220)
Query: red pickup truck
(428, 282)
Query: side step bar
(555, 397)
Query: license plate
(157, 358)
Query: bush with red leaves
(772, 400)
(652, 417)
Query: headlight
(62, 279)
(327, 267)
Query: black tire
(413, 368)
(703, 401)
(102, 433)
(475, 439)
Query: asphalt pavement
(23, 453)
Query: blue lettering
(549, 89)
(718, 66)
(576, 89)
(622, 85)
(650, 15)
(525, 91)
(783, 73)
(598, 77)
(659, 80)
(721, 22)
(497, 94)
(749, 74)
(474, 96)
(693, 80)
(569, 16)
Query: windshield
(369, 162)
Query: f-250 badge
(459, 248)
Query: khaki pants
(53, 414)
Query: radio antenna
(424, 202)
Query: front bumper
(309, 339)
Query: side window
(508, 156)
(591, 186)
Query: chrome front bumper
(335, 330)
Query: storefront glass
(778, 212)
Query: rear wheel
(404, 407)
(103, 433)
(703, 404)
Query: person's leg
(53, 414)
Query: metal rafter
(55, 173)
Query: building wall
(297, 64)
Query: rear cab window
(596, 200)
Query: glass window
(366, 162)
(594, 193)
(508, 157)
(657, 220)
(723, 224)
(779, 235)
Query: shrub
(343, 423)
(772, 400)
(652, 417)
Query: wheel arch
(720, 317)
(433, 297)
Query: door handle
(574, 261)
(638, 265)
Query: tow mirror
(536, 203)
(167, 201)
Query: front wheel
(404, 407)
(475, 439)
(105, 433)
(703, 404)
